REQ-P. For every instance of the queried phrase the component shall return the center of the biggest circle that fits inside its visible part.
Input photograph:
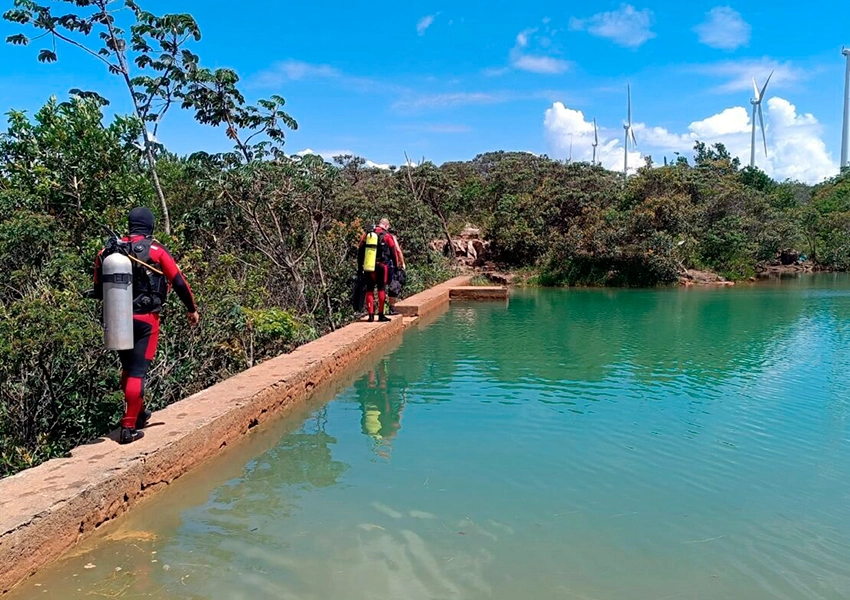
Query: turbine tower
(629, 135)
(756, 102)
(595, 142)
(845, 127)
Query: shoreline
(690, 278)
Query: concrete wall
(45, 511)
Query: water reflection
(382, 395)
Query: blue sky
(446, 81)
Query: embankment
(45, 511)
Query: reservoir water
(588, 444)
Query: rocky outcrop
(690, 277)
(787, 262)
(469, 249)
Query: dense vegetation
(267, 240)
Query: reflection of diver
(382, 409)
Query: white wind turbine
(630, 135)
(756, 102)
(845, 125)
(595, 142)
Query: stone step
(478, 292)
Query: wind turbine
(595, 142)
(629, 134)
(845, 129)
(756, 102)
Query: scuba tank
(117, 301)
(371, 255)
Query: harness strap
(118, 278)
(145, 265)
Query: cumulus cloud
(626, 26)
(724, 29)
(730, 121)
(328, 155)
(796, 149)
(566, 126)
(424, 23)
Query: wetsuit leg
(370, 291)
(381, 272)
(135, 363)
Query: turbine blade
(763, 134)
(764, 89)
(595, 133)
(629, 91)
(755, 90)
(632, 134)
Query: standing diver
(397, 277)
(377, 252)
(154, 273)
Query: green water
(593, 444)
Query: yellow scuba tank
(371, 255)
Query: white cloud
(795, 146)
(738, 75)
(797, 149)
(446, 128)
(448, 100)
(294, 70)
(566, 127)
(626, 26)
(374, 165)
(724, 28)
(539, 64)
(522, 37)
(424, 23)
(328, 155)
(732, 120)
(494, 71)
(412, 102)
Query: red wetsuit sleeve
(172, 273)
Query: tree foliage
(153, 61)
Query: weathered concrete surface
(478, 292)
(430, 300)
(47, 510)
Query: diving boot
(383, 318)
(371, 318)
(143, 418)
(128, 435)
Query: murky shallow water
(590, 444)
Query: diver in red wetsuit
(154, 273)
(386, 255)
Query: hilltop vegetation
(268, 240)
